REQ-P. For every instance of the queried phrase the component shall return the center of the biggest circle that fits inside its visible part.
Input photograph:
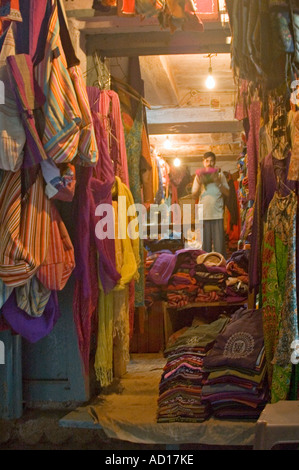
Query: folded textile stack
(152, 291)
(180, 388)
(189, 276)
(236, 384)
(237, 271)
(181, 290)
(173, 274)
(211, 275)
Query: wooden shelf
(206, 304)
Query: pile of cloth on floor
(180, 388)
(236, 386)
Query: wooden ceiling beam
(158, 80)
(198, 158)
(132, 44)
(195, 127)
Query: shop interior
(158, 341)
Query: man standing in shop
(210, 185)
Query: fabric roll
(12, 133)
(28, 97)
(24, 229)
(59, 262)
(61, 110)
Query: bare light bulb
(177, 162)
(167, 144)
(210, 82)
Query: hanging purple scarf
(101, 187)
(31, 328)
(94, 187)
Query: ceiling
(193, 118)
(174, 67)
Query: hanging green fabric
(279, 297)
(133, 139)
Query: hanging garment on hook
(12, 133)
(63, 117)
(29, 97)
(24, 229)
(59, 262)
(87, 146)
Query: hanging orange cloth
(59, 263)
(24, 229)
(128, 7)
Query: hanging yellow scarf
(130, 247)
(113, 308)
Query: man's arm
(196, 186)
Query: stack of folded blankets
(236, 386)
(180, 388)
(237, 276)
(211, 275)
(181, 290)
(189, 276)
(170, 276)
(198, 277)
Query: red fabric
(128, 7)
(208, 9)
(234, 233)
(253, 147)
(174, 192)
(14, 10)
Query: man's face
(209, 162)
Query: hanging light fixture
(177, 162)
(210, 81)
(167, 144)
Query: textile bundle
(236, 385)
(180, 388)
(187, 276)
(46, 130)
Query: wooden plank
(195, 127)
(207, 304)
(11, 391)
(156, 328)
(133, 44)
(142, 332)
(168, 326)
(134, 339)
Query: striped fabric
(20, 68)
(62, 113)
(32, 297)
(5, 292)
(12, 133)
(24, 229)
(59, 263)
(88, 150)
(10, 10)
